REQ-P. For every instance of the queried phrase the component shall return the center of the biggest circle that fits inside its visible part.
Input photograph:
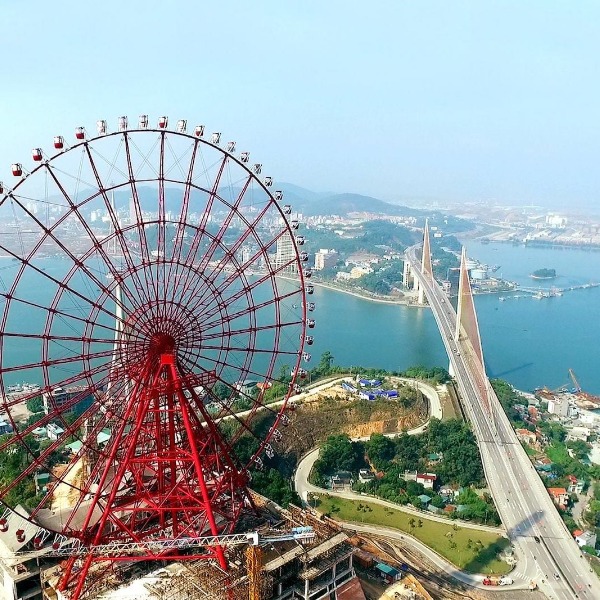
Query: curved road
(451, 570)
(303, 488)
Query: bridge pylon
(467, 331)
(426, 267)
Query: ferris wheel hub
(162, 343)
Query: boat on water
(23, 387)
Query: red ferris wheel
(153, 310)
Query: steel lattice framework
(154, 299)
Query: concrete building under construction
(318, 568)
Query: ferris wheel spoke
(244, 348)
(254, 308)
(117, 231)
(96, 246)
(161, 202)
(77, 263)
(218, 238)
(143, 242)
(263, 251)
(249, 330)
(56, 413)
(176, 256)
(58, 361)
(247, 233)
(55, 338)
(201, 228)
(212, 310)
(64, 383)
(48, 311)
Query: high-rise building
(325, 259)
(285, 253)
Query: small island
(544, 274)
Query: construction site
(289, 554)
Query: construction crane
(577, 387)
(161, 546)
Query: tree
(275, 486)
(436, 374)
(380, 450)
(437, 501)
(408, 451)
(221, 391)
(324, 366)
(580, 448)
(35, 405)
(339, 453)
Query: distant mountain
(303, 200)
(296, 194)
(343, 204)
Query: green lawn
(471, 550)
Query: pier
(539, 293)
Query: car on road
(536, 538)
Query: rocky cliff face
(336, 413)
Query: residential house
(446, 492)
(54, 431)
(575, 486)
(424, 499)
(579, 433)
(559, 496)
(427, 480)
(558, 405)
(544, 465)
(364, 476)
(41, 482)
(534, 414)
(389, 574)
(39, 432)
(526, 436)
(341, 480)
(585, 538)
(410, 475)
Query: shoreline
(356, 294)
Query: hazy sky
(450, 99)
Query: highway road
(546, 550)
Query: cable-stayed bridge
(546, 551)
